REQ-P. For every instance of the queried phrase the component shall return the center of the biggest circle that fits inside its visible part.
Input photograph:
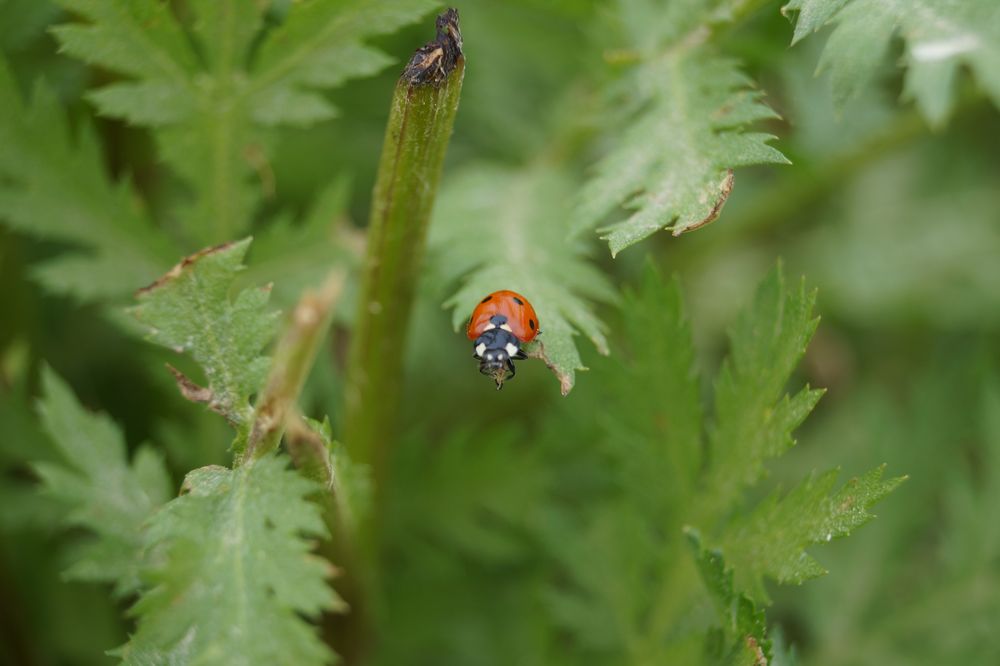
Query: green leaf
(234, 581)
(672, 162)
(771, 541)
(190, 310)
(754, 417)
(211, 94)
(54, 186)
(22, 21)
(102, 493)
(295, 255)
(321, 45)
(502, 229)
(742, 638)
(652, 398)
(941, 36)
(319, 457)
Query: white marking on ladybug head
(511, 349)
(490, 327)
(506, 327)
(480, 348)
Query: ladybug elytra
(500, 324)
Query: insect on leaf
(500, 229)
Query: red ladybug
(500, 324)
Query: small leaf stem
(420, 124)
(290, 367)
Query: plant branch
(420, 124)
(290, 367)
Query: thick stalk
(420, 124)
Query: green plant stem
(420, 125)
(350, 633)
(292, 362)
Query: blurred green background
(897, 224)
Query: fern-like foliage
(189, 310)
(233, 576)
(742, 636)
(771, 540)
(52, 185)
(101, 492)
(210, 90)
(672, 161)
(667, 482)
(941, 37)
(501, 229)
(230, 577)
(754, 418)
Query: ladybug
(499, 325)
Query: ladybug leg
(520, 355)
(510, 368)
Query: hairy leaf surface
(234, 579)
(941, 36)
(672, 164)
(103, 494)
(190, 311)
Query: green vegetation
(279, 451)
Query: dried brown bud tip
(434, 61)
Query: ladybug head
(496, 350)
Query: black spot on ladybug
(517, 300)
(487, 298)
(531, 323)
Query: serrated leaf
(941, 36)
(102, 493)
(653, 398)
(742, 638)
(209, 100)
(672, 164)
(500, 229)
(754, 418)
(811, 15)
(235, 582)
(53, 186)
(190, 311)
(771, 540)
